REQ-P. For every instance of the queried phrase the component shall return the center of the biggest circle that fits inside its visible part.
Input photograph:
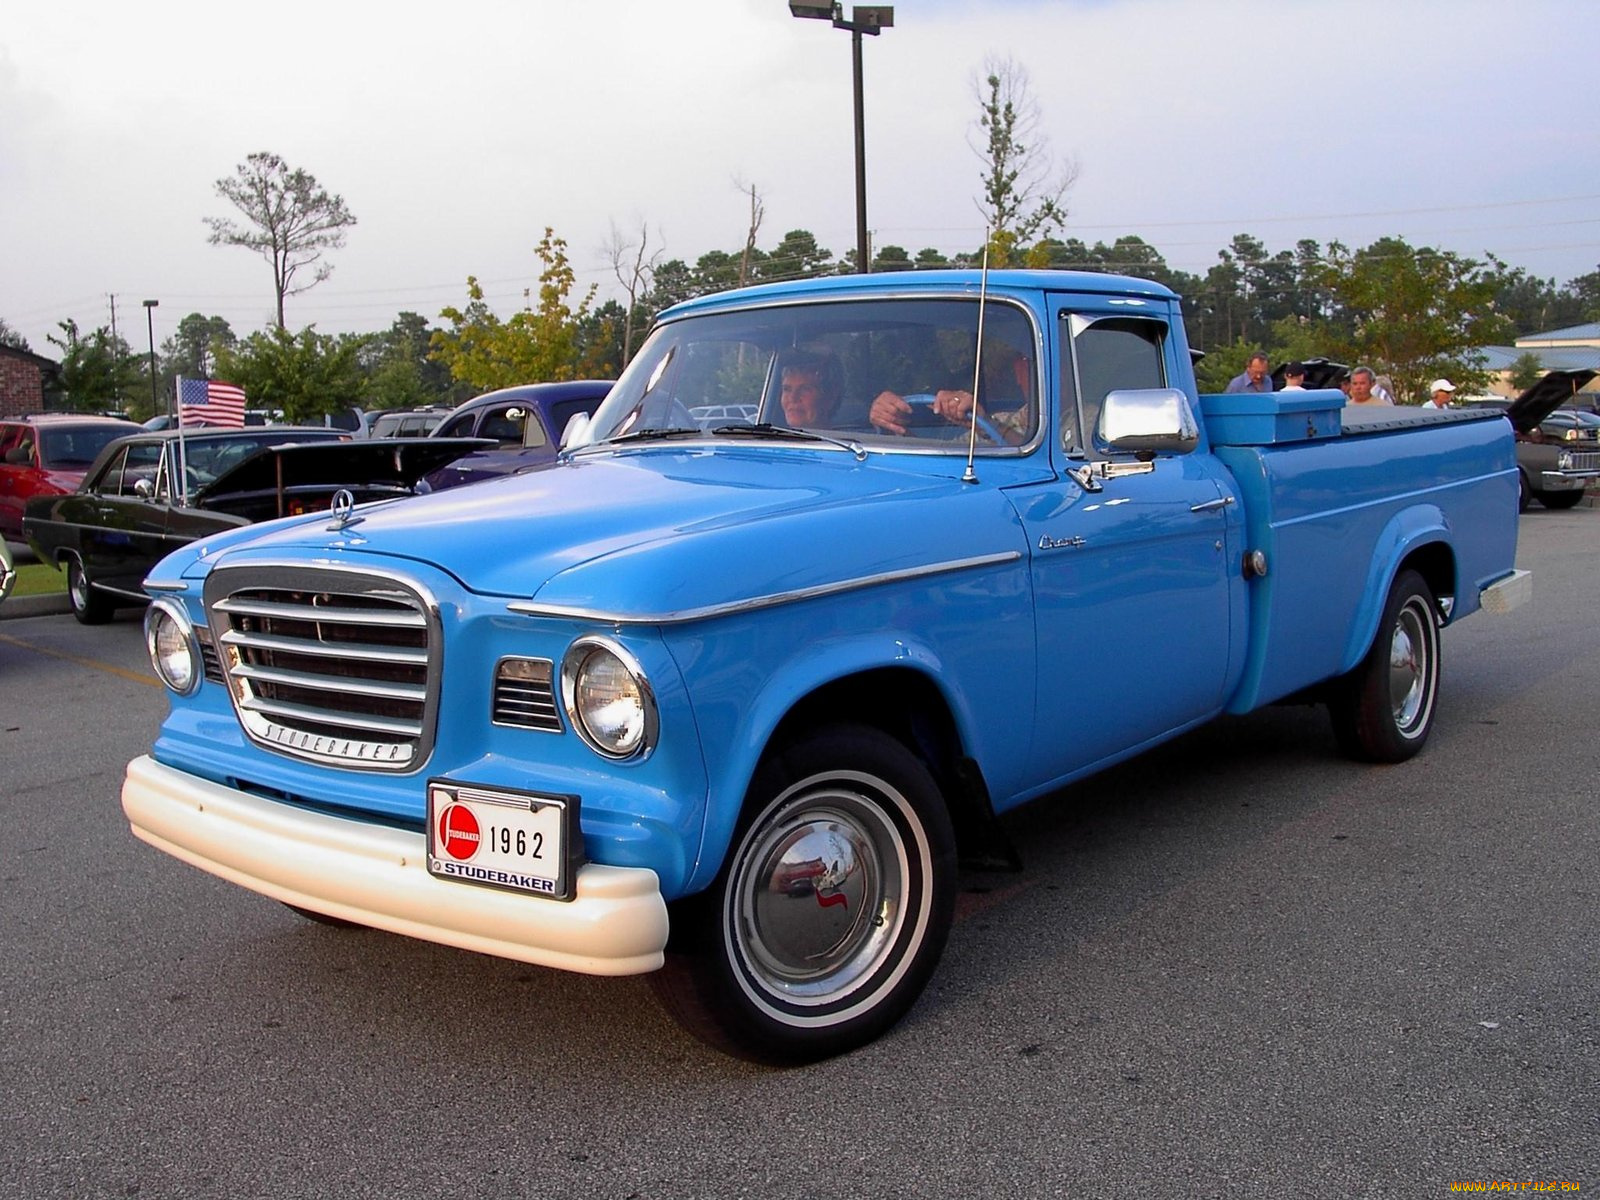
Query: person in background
(1383, 389)
(1441, 392)
(1361, 389)
(1255, 377)
(1294, 377)
(1343, 384)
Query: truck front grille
(337, 667)
(1586, 460)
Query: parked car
(135, 505)
(47, 456)
(407, 422)
(526, 423)
(1320, 373)
(1558, 450)
(8, 573)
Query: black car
(1558, 452)
(148, 494)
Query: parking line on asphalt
(91, 663)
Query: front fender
(805, 668)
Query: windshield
(73, 449)
(882, 372)
(210, 458)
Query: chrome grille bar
(333, 665)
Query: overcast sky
(456, 132)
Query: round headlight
(608, 699)
(174, 650)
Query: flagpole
(183, 457)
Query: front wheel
(1383, 709)
(88, 605)
(1559, 500)
(831, 910)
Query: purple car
(526, 422)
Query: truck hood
(396, 461)
(663, 531)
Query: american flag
(209, 402)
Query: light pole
(867, 19)
(150, 325)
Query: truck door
(1132, 582)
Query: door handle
(1212, 505)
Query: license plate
(518, 841)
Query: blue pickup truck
(730, 702)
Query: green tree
(1023, 192)
(191, 352)
(535, 345)
(307, 375)
(1413, 312)
(797, 256)
(99, 373)
(1526, 371)
(10, 337)
(290, 219)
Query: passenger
(1294, 377)
(1441, 393)
(809, 391)
(1361, 381)
(1255, 377)
(891, 414)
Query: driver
(891, 414)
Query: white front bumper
(377, 876)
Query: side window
(504, 425)
(10, 438)
(1107, 354)
(458, 427)
(142, 461)
(110, 481)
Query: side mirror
(1148, 421)
(144, 489)
(577, 431)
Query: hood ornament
(343, 509)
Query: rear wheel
(1382, 711)
(88, 605)
(1560, 499)
(831, 910)
(1524, 492)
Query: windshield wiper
(639, 435)
(766, 429)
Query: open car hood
(1545, 396)
(1320, 373)
(398, 462)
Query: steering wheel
(985, 426)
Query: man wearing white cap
(1443, 390)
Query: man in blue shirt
(1255, 377)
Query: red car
(47, 456)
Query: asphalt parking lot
(1239, 965)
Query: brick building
(23, 378)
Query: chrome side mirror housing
(1148, 421)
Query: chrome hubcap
(819, 895)
(1410, 667)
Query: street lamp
(867, 19)
(150, 325)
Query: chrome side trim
(151, 586)
(530, 608)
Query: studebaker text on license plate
(513, 840)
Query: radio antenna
(969, 475)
